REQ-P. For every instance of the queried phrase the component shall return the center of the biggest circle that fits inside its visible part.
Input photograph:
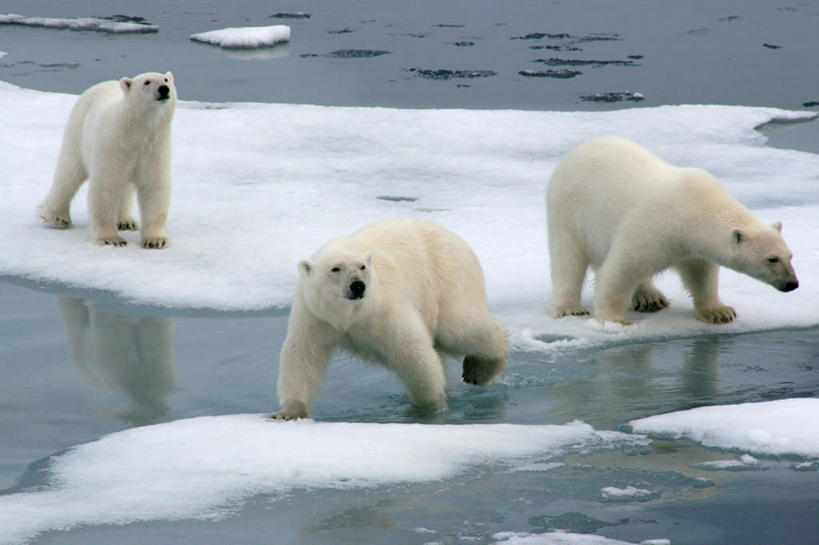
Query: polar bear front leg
(418, 364)
(701, 278)
(103, 203)
(154, 200)
(302, 366)
(126, 221)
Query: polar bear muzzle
(357, 288)
(164, 92)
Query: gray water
(54, 396)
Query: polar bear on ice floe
(118, 137)
(614, 206)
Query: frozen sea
(135, 385)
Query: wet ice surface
(83, 368)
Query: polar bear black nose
(357, 289)
(790, 286)
(163, 91)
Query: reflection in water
(128, 354)
(627, 381)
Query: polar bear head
(760, 252)
(335, 283)
(150, 90)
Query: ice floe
(203, 468)
(257, 187)
(784, 427)
(245, 37)
(115, 25)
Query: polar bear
(118, 136)
(400, 292)
(628, 214)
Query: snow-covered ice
(203, 468)
(79, 23)
(783, 427)
(257, 187)
(245, 37)
(626, 494)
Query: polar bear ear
(738, 236)
(169, 75)
(305, 267)
(368, 258)
(125, 83)
(777, 225)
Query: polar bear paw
(155, 243)
(722, 314)
(56, 220)
(559, 311)
(112, 240)
(479, 371)
(128, 224)
(291, 410)
(648, 301)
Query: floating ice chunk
(627, 493)
(564, 538)
(3, 54)
(745, 462)
(79, 23)
(201, 468)
(245, 37)
(784, 427)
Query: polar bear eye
(362, 267)
(773, 260)
(147, 83)
(335, 269)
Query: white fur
(424, 297)
(614, 206)
(119, 138)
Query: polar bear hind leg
(568, 264)
(70, 175)
(647, 298)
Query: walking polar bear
(118, 136)
(614, 206)
(399, 292)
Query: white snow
(78, 23)
(784, 427)
(746, 461)
(257, 187)
(627, 493)
(564, 538)
(203, 468)
(245, 37)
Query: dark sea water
(425, 54)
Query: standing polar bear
(118, 136)
(398, 292)
(614, 206)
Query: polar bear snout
(357, 289)
(787, 285)
(164, 92)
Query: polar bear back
(610, 185)
(429, 265)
